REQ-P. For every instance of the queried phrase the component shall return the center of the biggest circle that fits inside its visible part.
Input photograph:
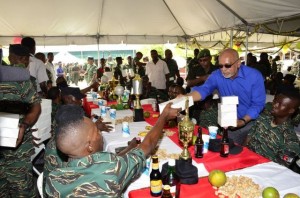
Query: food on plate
(163, 155)
(142, 133)
(217, 178)
(291, 195)
(270, 192)
(148, 127)
(168, 132)
(125, 119)
(146, 114)
(239, 186)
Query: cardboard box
(9, 132)
(8, 142)
(9, 120)
(227, 122)
(177, 103)
(229, 100)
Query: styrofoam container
(227, 122)
(8, 142)
(41, 131)
(227, 107)
(44, 137)
(9, 120)
(9, 132)
(229, 100)
(227, 115)
(177, 103)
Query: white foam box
(229, 100)
(46, 111)
(8, 142)
(9, 120)
(44, 121)
(44, 137)
(9, 132)
(227, 114)
(41, 131)
(46, 103)
(177, 103)
(227, 122)
(226, 108)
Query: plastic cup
(125, 129)
(100, 102)
(113, 114)
(103, 111)
(205, 143)
(213, 131)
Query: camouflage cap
(90, 58)
(19, 50)
(203, 53)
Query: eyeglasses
(227, 65)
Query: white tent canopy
(77, 22)
(65, 57)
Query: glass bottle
(156, 104)
(166, 192)
(172, 179)
(199, 144)
(224, 152)
(155, 178)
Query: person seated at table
(287, 83)
(209, 116)
(273, 135)
(61, 82)
(152, 92)
(180, 81)
(90, 171)
(274, 82)
(171, 91)
(54, 94)
(178, 90)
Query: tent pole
(98, 50)
(246, 51)
(231, 37)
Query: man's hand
(22, 129)
(103, 126)
(94, 86)
(170, 113)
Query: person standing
(138, 66)
(158, 72)
(50, 68)
(76, 73)
(234, 79)
(118, 71)
(37, 68)
(16, 179)
(91, 70)
(172, 66)
(60, 71)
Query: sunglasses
(227, 65)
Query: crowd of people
(75, 163)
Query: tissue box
(9, 132)
(177, 103)
(229, 100)
(8, 142)
(227, 122)
(9, 120)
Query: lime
(270, 192)
(126, 106)
(291, 195)
(217, 178)
(119, 107)
(113, 107)
(194, 139)
(146, 114)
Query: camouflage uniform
(15, 163)
(173, 68)
(91, 71)
(153, 93)
(270, 141)
(76, 74)
(209, 117)
(101, 174)
(139, 70)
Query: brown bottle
(199, 144)
(166, 192)
(224, 152)
(155, 178)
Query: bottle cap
(167, 187)
(171, 162)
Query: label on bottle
(226, 149)
(156, 186)
(155, 166)
(173, 190)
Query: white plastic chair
(39, 184)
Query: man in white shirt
(37, 68)
(50, 67)
(157, 71)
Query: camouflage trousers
(16, 178)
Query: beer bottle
(199, 144)
(166, 192)
(224, 152)
(172, 179)
(155, 178)
(157, 102)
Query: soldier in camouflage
(91, 71)
(15, 164)
(90, 172)
(273, 133)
